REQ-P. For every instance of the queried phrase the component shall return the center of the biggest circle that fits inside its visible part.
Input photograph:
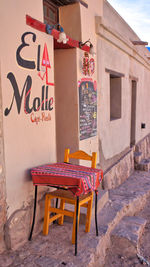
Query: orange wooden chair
(66, 196)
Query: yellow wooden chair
(66, 196)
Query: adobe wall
(116, 52)
(81, 28)
(28, 111)
(66, 101)
(3, 205)
(112, 39)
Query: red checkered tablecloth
(79, 179)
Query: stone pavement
(56, 250)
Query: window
(115, 93)
(50, 13)
(115, 97)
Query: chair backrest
(80, 155)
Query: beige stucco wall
(66, 101)
(81, 30)
(78, 21)
(116, 52)
(70, 19)
(114, 134)
(111, 37)
(26, 143)
(143, 96)
(95, 8)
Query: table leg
(76, 229)
(96, 193)
(34, 212)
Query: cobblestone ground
(56, 250)
(122, 260)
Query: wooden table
(80, 180)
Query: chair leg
(62, 207)
(89, 214)
(76, 217)
(56, 206)
(96, 193)
(46, 215)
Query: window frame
(115, 112)
(54, 8)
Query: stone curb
(127, 234)
(126, 200)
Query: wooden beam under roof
(68, 2)
(139, 42)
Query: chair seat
(60, 193)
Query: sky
(137, 14)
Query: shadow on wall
(27, 176)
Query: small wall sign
(88, 65)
